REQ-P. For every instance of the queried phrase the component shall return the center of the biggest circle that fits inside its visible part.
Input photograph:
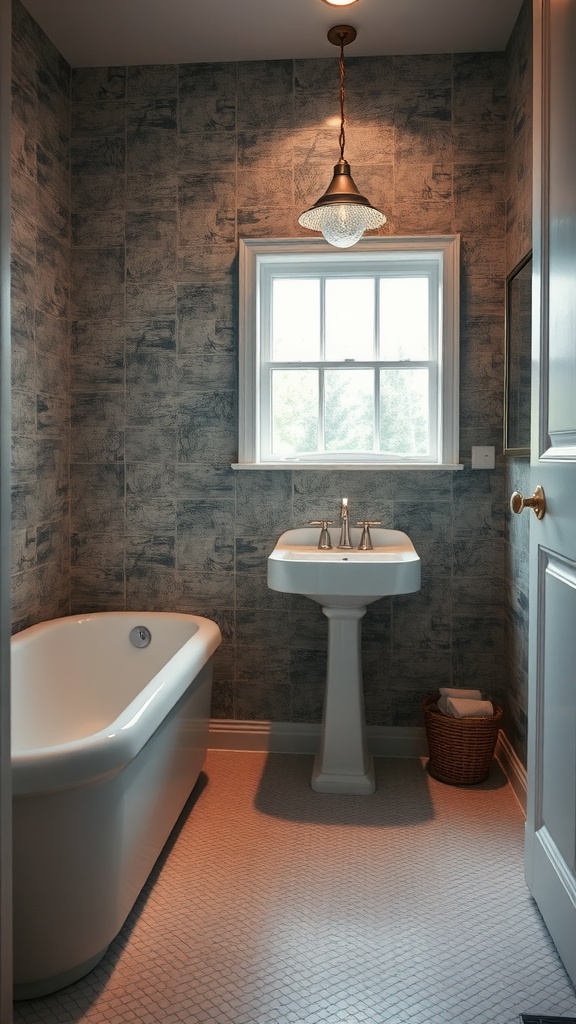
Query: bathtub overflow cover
(140, 636)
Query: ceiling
(118, 32)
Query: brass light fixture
(342, 214)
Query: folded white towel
(447, 691)
(457, 707)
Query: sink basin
(344, 578)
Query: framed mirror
(517, 359)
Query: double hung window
(349, 358)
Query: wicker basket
(461, 749)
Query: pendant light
(342, 214)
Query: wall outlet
(483, 456)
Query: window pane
(349, 410)
(404, 411)
(350, 318)
(404, 319)
(295, 319)
(294, 411)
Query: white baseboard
(512, 767)
(383, 741)
(278, 737)
(304, 738)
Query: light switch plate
(483, 456)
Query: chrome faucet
(325, 542)
(345, 527)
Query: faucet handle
(366, 540)
(325, 542)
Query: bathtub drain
(140, 636)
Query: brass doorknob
(538, 502)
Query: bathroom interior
(131, 185)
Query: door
(550, 858)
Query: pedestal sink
(344, 582)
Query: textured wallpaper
(41, 325)
(169, 166)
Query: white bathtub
(107, 743)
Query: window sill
(318, 466)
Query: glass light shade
(342, 224)
(340, 3)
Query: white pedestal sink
(344, 582)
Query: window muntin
(404, 424)
(349, 311)
(349, 358)
(294, 408)
(295, 324)
(404, 325)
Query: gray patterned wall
(41, 329)
(518, 243)
(169, 165)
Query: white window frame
(258, 256)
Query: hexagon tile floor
(276, 905)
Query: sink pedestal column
(343, 764)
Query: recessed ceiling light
(340, 3)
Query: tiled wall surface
(518, 244)
(41, 330)
(169, 166)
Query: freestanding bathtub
(108, 740)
